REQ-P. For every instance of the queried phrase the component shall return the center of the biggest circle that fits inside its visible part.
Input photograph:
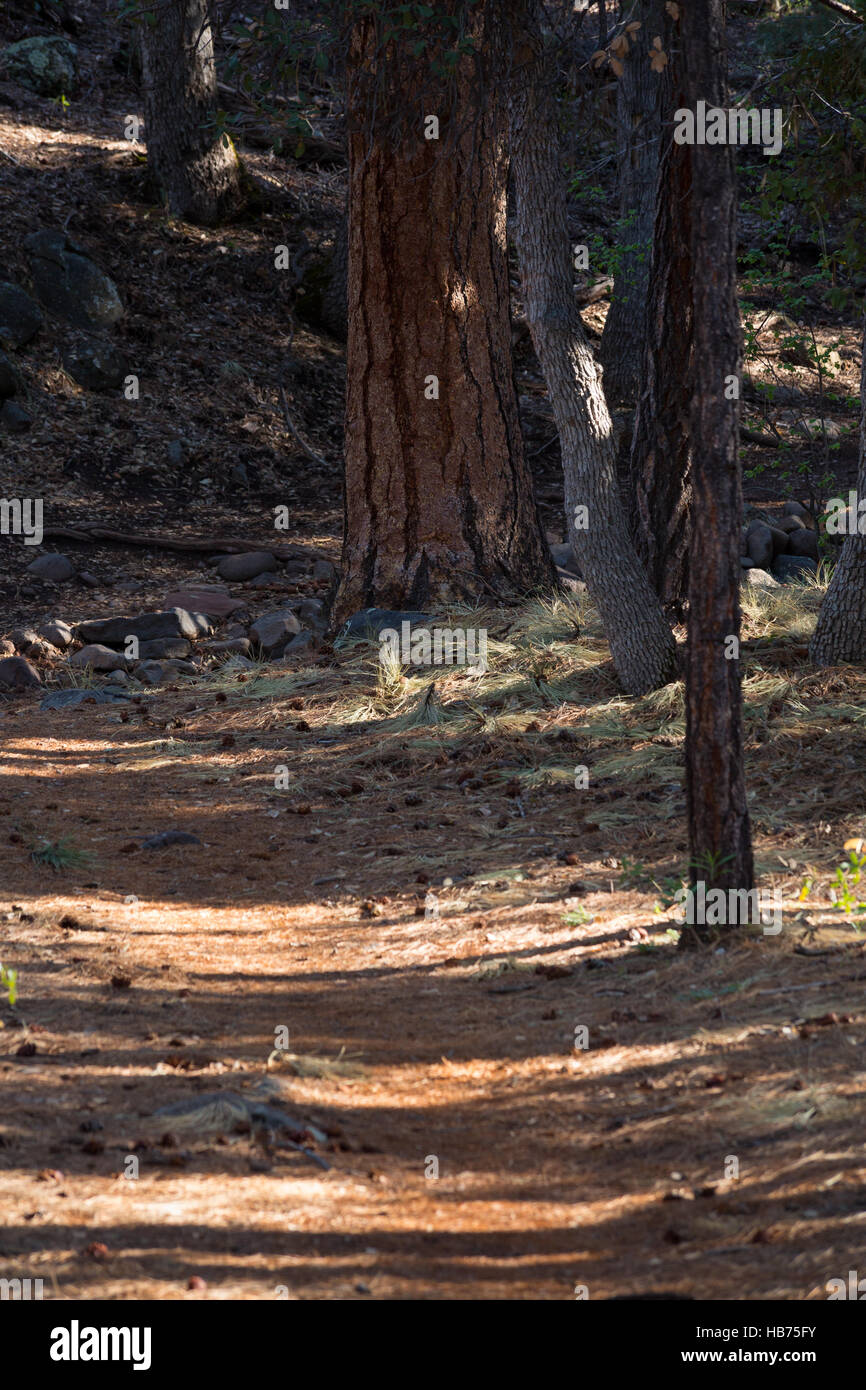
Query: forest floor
(430, 891)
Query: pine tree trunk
(659, 484)
(638, 113)
(841, 631)
(641, 642)
(198, 173)
(335, 298)
(721, 853)
(438, 496)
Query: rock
(312, 614)
(797, 509)
(265, 581)
(213, 602)
(794, 568)
(20, 317)
(90, 580)
(18, 674)
(563, 558)
(47, 65)
(7, 648)
(759, 544)
(95, 364)
(780, 540)
(98, 658)
(8, 379)
(247, 565)
(117, 678)
(803, 543)
(56, 569)
(323, 569)
(759, 578)
(569, 582)
(790, 523)
(273, 630)
(203, 624)
(175, 453)
(230, 644)
(69, 699)
(24, 638)
(234, 630)
(16, 420)
(177, 647)
(239, 476)
(160, 672)
(57, 633)
(745, 562)
(69, 283)
(369, 622)
(305, 641)
(113, 632)
(170, 837)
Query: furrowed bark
(438, 496)
(841, 631)
(642, 644)
(196, 170)
(719, 835)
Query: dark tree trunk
(721, 853)
(196, 170)
(841, 631)
(335, 298)
(438, 497)
(659, 484)
(641, 642)
(638, 111)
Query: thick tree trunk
(438, 496)
(841, 631)
(659, 485)
(721, 853)
(641, 642)
(197, 172)
(638, 111)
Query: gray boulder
(160, 672)
(69, 283)
(794, 568)
(98, 658)
(369, 622)
(47, 65)
(14, 418)
(55, 569)
(8, 378)
(246, 566)
(18, 674)
(56, 633)
(797, 509)
(759, 544)
(803, 543)
(161, 647)
(273, 630)
(759, 579)
(147, 627)
(95, 364)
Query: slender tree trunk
(438, 496)
(197, 171)
(841, 631)
(335, 298)
(659, 484)
(642, 644)
(638, 110)
(721, 852)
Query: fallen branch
(217, 545)
(838, 8)
(303, 443)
